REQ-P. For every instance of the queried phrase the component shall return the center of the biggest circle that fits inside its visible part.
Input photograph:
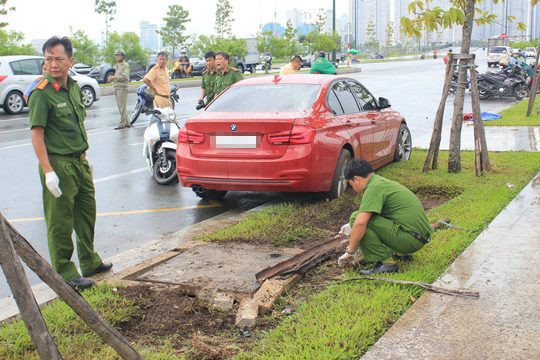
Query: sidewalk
(504, 323)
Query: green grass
(515, 115)
(344, 320)
(74, 339)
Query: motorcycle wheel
(452, 89)
(165, 173)
(482, 94)
(135, 113)
(521, 92)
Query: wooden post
(435, 143)
(42, 269)
(481, 158)
(534, 87)
(22, 292)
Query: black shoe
(105, 266)
(120, 127)
(380, 268)
(404, 257)
(81, 283)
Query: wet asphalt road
(132, 208)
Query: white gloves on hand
(345, 230)
(345, 260)
(53, 184)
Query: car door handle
(348, 123)
(373, 122)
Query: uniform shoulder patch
(205, 71)
(41, 85)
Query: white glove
(345, 230)
(53, 184)
(345, 260)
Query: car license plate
(236, 142)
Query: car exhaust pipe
(197, 189)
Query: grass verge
(340, 321)
(515, 115)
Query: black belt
(80, 156)
(419, 237)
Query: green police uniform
(208, 84)
(322, 66)
(120, 85)
(60, 111)
(398, 223)
(224, 79)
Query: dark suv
(102, 72)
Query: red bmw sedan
(288, 133)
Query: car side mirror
(384, 103)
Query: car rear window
(266, 98)
(497, 49)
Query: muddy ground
(199, 332)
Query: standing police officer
(208, 79)
(226, 74)
(60, 143)
(120, 81)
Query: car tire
(88, 96)
(403, 144)
(253, 69)
(241, 68)
(339, 184)
(106, 78)
(212, 194)
(14, 102)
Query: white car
(18, 72)
(530, 52)
(495, 53)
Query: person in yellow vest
(157, 80)
(292, 67)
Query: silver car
(18, 72)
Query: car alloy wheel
(87, 95)
(403, 144)
(14, 103)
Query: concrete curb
(108, 90)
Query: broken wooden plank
(271, 290)
(301, 262)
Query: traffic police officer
(60, 143)
(120, 81)
(390, 221)
(208, 79)
(226, 75)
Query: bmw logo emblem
(234, 127)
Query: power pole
(334, 28)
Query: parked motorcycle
(145, 101)
(512, 82)
(159, 145)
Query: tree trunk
(454, 156)
(534, 87)
(481, 159)
(435, 143)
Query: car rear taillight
(190, 137)
(2, 78)
(298, 135)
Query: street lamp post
(334, 28)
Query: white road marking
(119, 175)
(136, 144)
(15, 146)
(11, 131)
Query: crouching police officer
(60, 143)
(390, 222)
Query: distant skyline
(36, 18)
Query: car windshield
(266, 98)
(497, 49)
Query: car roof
(315, 79)
(19, 57)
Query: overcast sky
(40, 19)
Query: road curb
(109, 90)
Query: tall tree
(4, 10)
(84, 49)
(172, 34)
(320, 20)
(233, 46)
(371, 35)
(12, 44)
(131, 44)
(268, 42)
(389, 41)
(290, 37)
(224, 18)
(107, 8)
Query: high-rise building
(296, 16)
(365, 11)
(149, 36)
